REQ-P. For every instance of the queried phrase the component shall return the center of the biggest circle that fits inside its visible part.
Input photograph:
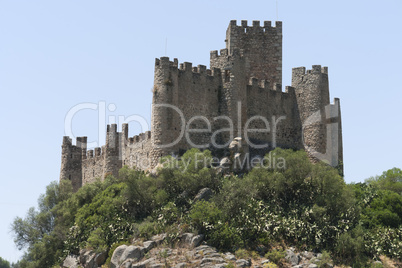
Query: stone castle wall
(243, 84)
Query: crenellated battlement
(164, 61)
(145, 136)
(316, 69)
(255, 84)
(224, 53)
(96, 152)
(185, 67)
(255, 26)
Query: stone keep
(243, 84)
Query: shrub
(242, 253)
(350, 248)
(204, 215)
(325, 259)
(275, 255)
(147, 228)
(96, 240)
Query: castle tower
(112, 151)
(71, 160)
(233, 93)
(321, 121)
(164, 130)
(261, 46)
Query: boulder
(71, 262)
(243, 263)
(131, 252)
(100, 258)
(186, 239)
(196, 240)
(87, 258)
(212, 260)
(203, 194)
(158, 238)
(118, 252)
(127, 264)
(308, 255)
(148, 245)
(144, 264)
(229, 256)
(292, 257)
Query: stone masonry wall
(262, 48)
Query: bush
(204, 215)
(350, 248)
(242, 253)
(96, 240)
(147, 228)
(275, 255)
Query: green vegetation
(305, 205)
(4, 263)
(275, 255)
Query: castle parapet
(255, 26)
(145, 136)
(316, 69)
(174, 69)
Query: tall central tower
(260, 46)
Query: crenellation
(202, 68)
(214, 54)
(223, 52)
(67, 141)
(81, 142)
(289, 90)
(298, 71)
(256, 26)
(278, 25)
(277, 87)
(316, 69)
(253, 81)
(264, 84)
(187, 66)
(247, 72)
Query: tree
(36, 232)
(4, 263)
(390, 180)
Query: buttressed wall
(194, 107)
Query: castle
(239, 96)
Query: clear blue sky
(57, 54)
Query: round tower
(312, 95)
(165, 132)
